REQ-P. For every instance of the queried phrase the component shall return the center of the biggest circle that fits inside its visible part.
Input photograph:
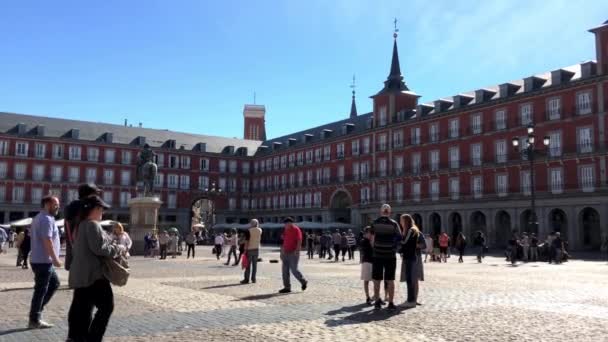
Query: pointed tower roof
(394, 81)
(353, 105)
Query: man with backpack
(72, 218)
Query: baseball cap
(88, 189)
(288, 219)
(95, 201)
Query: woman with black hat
(91, 288)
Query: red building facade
(450, 163)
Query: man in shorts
(366, 262)
(387, 236)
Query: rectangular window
(3, 170)
(184, 182)
(18, 194)
(92, 154)
(416, 163)
(355, 147)
(454, 157)
(3, 147)
(108, 196)
(309, 159)
(73, 174)
(501, 151)
(56, 173)
(20, 171)
(318, 155)
(477, 186)
(583, 103)
(525, 114)
(292, 160)
(366, 145)
(203, 182)
(365, 195)
(2, 193)
(108, 177)
(204, 164)
(398, 165)
(173, 161)
(383, 116)
(356, 171)
(300, 158)
(36, 195)
(398, 139)
(159, 180)
(327, 153)
(382, 167)
(454, 188)
(125, 178)
(434, 132)
(319, 176)
(454, 128)
(185, 162)
(91, 175)
(554, 108)
(110, 156)
(434, 157)
(434, 189)
(21, 149)
(557, 181)
(555, 144)
(300, 178)
(586, 178)
(125, 196)
(126, 157)
(232, 166)
(416, 191)
(160, 159)
(415, 135)
(283, 162)
(476, 123)
(245, 168)
(501, 185)
(172, 180)
(340, 150)
(585, 143)
(381, 192)
(500, 117)
(398, 189)
(40, 151)
(526, 184)
(222, 165)
(75, 152)
(364, 170)
(38, 172)
(382, 142)
(309, 176)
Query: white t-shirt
(219, 240)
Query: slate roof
(93, 131)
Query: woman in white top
(231, 242)
(120, 237)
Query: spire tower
(353, 105)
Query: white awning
(22, 223)
(303, 225)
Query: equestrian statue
(147, 169)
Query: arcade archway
(340, 204)
(590, 230)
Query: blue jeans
(290, 263)
(252, 267)
(46, 283)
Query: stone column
(143, 220)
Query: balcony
(454, 133)
(454, 164)
(586, 147)
(501, 158)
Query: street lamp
(530, 150)
(212, 191)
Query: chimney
(601, 47)
(125, 122)
(140, 125)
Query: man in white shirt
(219, 243)
(253, 237)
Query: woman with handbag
(120, 237)
(412, 270)
(92, 289)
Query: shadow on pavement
(348, 309)
(367, 316)
(61, 288)
(220, 286)
(263, 296)
(13, 331)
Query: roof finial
(396, 29)
(353, 106)
(254, 97)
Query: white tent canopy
(28, 222)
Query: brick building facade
(450, 163)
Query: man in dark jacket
(72, 218)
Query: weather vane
(353, 85)
(396, 29)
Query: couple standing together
(387, 238)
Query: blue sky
(191, 65)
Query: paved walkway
(201, 300)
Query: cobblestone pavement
(202, 300)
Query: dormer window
(382, 116)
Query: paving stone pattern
(202, 300)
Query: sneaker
(409, 305)
(378, 305)
(39, 325)
(245, 282)
(285, 290)
(369, 301)
(383, 302)
(391, 306)
(304, 285)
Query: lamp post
(530, 150)
(212, 192)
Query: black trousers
(163, 251)
(82, 326)
(337, 251)
(231, 252)
(310, 251)
(190, 248)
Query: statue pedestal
(144, 217)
